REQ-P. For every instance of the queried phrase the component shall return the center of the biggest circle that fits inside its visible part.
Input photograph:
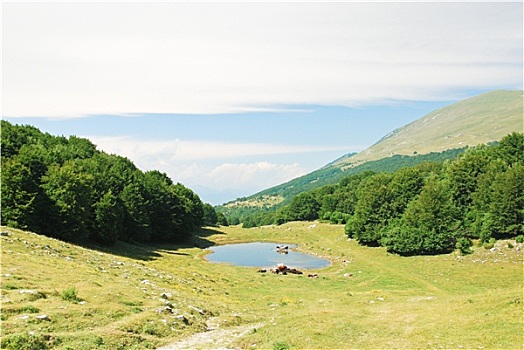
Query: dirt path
(216, 339)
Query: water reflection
(264, 255)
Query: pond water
(264, 255)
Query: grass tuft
(70, 294)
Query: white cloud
(70, 59)
(258, 175)
(163, 152)
(211, 167)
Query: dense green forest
(66, 188)
(432, 207)
(326, 176)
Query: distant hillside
(477, 120)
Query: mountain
(441, 134)
(478, 120)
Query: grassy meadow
(64, 296)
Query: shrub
(70, 294)
(519, 239)
(464, 245)
(36, 296)
(30, 309)
(25, 341)
(281, 345)
(489, 245)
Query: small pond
(264, 255)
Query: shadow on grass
(151, 251)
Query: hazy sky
(232, 98)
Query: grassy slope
(480, 119)
(389, 301)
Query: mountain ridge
(453, 126)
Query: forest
(327, 175)
(429, 208)
(67, 189)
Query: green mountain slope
(439, 135)
(477, 120)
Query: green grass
(478, 120)
(148, 296)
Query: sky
(232, 98)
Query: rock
(165, 310)
(312, 275)
(262, 271)
(197, 310)
(183, 319)
(348, 274)
(27, 291)
(166, 295)
(4, 233)
(43, 318)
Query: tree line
(328, 175)
(429, 208)
(66, 188)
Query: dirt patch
(215, 339)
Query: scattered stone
(4, 233)
(262, 271)
(24, 317)
(165, 310)
(197, 310)
(348, 274)
(43, 318)
(166, 295)
(27, 291)
(312, 275)
(381, 299)
(183, 319)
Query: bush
(519, 239)
(281, 345)
(70, 294)
(25, 341)
(488, 245)
(464, 245)
(409, 240)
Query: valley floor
(58, 295)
